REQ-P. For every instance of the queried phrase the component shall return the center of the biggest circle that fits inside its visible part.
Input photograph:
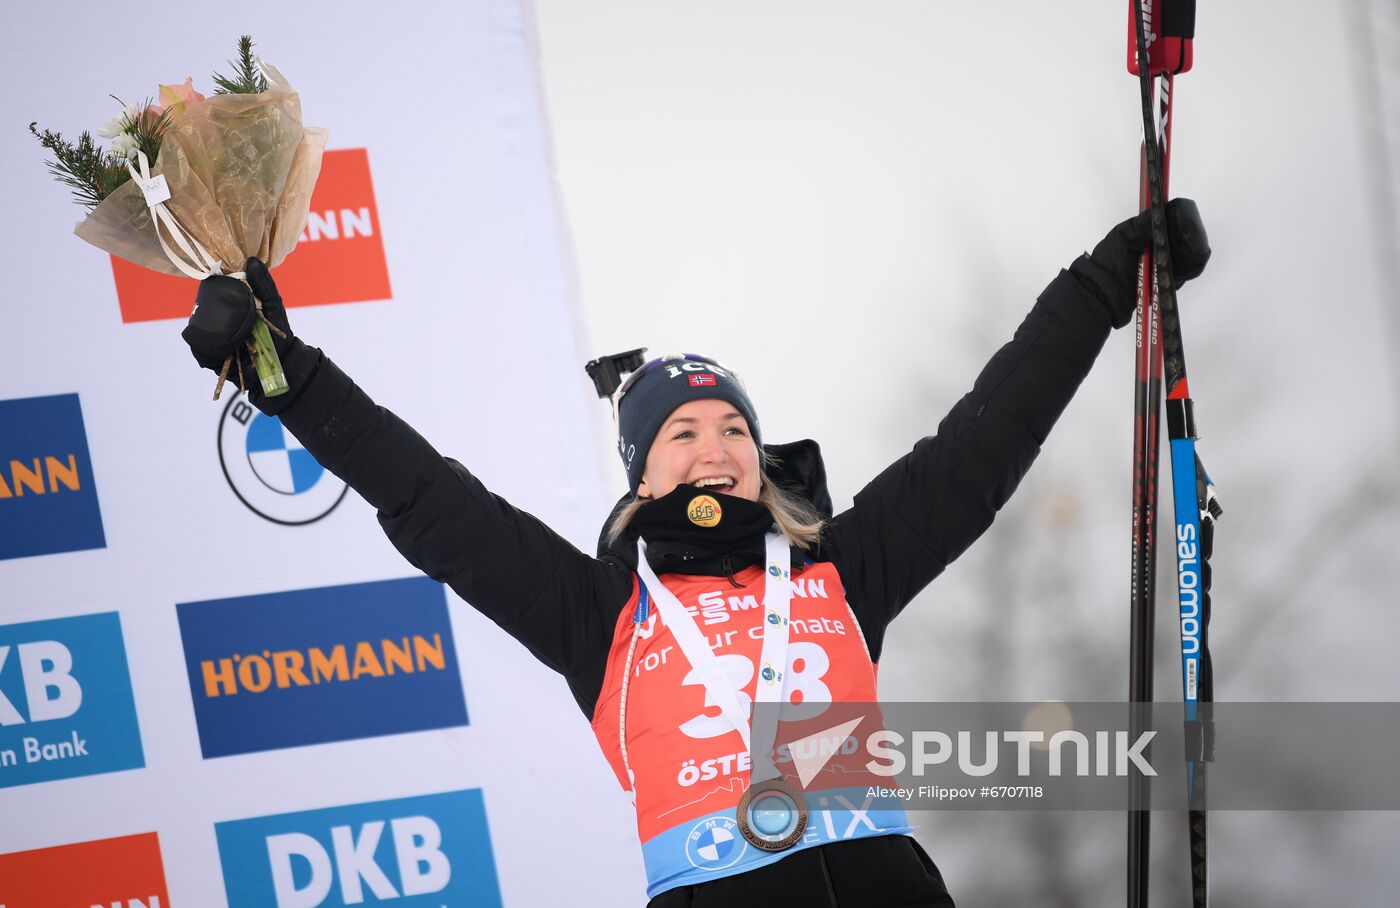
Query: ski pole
(1159, 46)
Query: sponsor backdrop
(219, 683)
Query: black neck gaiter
(692, 531)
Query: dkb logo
(429, 851)
(66, 707)
(270, 471)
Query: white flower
(124, 145)
(121, 123)
(113, 127)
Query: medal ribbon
(777, 601)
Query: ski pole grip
(1170, 26)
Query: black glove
(223, 322)
(223, 319)
(1111, 270)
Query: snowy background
(854, 204)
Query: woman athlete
(722, 578)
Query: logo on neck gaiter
(704, 511)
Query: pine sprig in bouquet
(192, 183)
(246, 78)
(91, 172)
(94, 173)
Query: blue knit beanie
(655, 390)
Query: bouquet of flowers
(196, 185)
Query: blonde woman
(714, 523)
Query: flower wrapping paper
(240, 169)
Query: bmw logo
(714, 844)
(270, 471)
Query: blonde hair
(795, 518)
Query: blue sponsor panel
(66, 707)
(48, 501)
(328, 664)
(432, 850)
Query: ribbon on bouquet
(197, 262)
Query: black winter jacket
(903, 529)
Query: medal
(772, 815)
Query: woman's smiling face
(704, 443)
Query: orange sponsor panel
(340, 258)
(125, 871)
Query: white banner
(219, 683)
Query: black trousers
(889, 871)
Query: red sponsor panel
(340, 258)
(125, 871)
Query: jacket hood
(796, 466)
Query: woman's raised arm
(559, 602)
(924, 510)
